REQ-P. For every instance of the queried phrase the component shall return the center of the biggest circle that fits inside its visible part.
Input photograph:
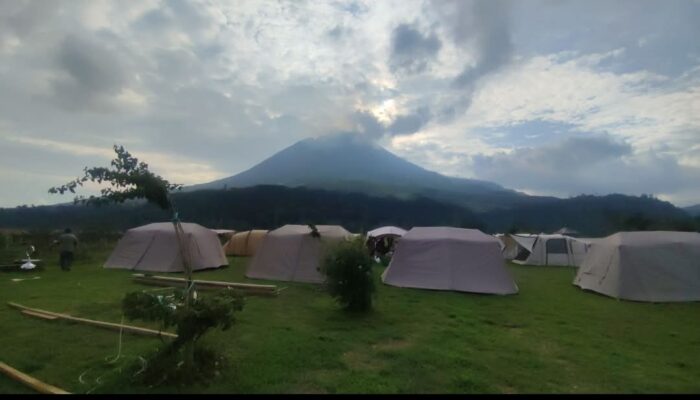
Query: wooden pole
(240, 285)
(38, 313)
(27, 380)
(205, 286)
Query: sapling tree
(129, 179)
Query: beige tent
(554, 250)
(291, 253)
(644, 266)
(444, 258)
(244, 243)
(154, 247)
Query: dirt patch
(507, 390)
(307, 388)
(392, 345)
(361, 361)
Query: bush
(347, 267)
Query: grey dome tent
(291, 253)
(445, 258)
(154, 247)
(656, 266)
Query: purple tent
(444, 258)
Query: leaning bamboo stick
(107, 325)
(234, 285)
(39, 386)
(204, 286)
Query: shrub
(347, 267)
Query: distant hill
(265, 207)
(344, 162)
(269, 207)
(693, 210)
(592, 215)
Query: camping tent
(386, 231)
(244, 243)
(154, 247)
(509, 247)
(501, 239)
(224, 233)
(291, 253)
(381, 241)
(557, 250)
(444, 258)
(644, 266)
(567, 232)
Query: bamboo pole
(102, 324)
(27, 380)
(39, 315)
(206, 286)
(240, 285)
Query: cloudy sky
(544, 96)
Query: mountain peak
(351, 162)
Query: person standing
(67, 243)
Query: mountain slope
(693, 210)
(343, 162)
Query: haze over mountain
(349, 163)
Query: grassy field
(550, 338)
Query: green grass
(550, 338)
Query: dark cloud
(367, 125)
(481, 27)
(92, 73)
(410, 123)
(484, 24)
(21, 18)
(586, 164)
(411, 51)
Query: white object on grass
(25, 279)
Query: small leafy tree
(347, 267)
(129, 179)
(191, 323)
